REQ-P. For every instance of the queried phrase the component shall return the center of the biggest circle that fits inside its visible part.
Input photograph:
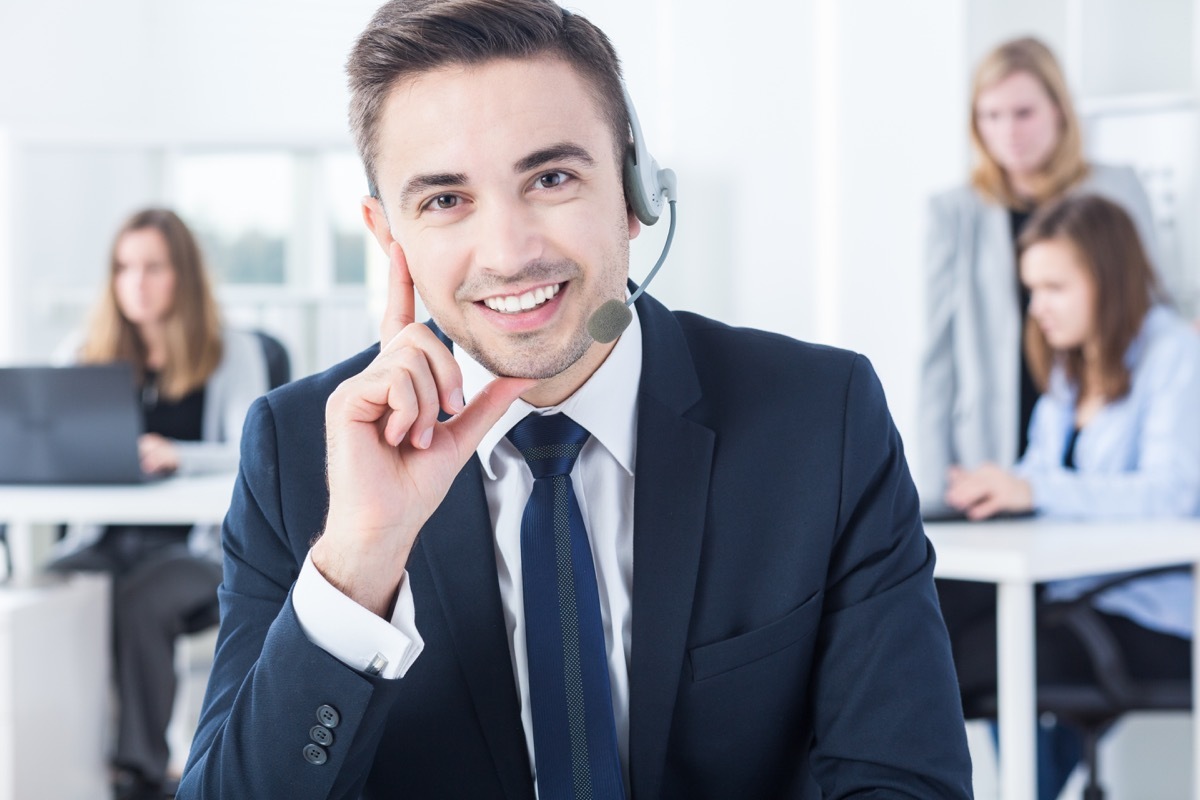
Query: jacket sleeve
(935, 429)
(888, 719)
(268, 681)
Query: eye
(551, 180)
(444, 202)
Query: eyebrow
(563, 151)
(420, 183)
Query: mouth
(526, 301)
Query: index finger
(401, 302)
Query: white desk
(1016, 555)
(54, 634)
(173, 501)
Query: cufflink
(378, 665)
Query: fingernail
(426, 438)
(456, 401)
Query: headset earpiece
(647, 188)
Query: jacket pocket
(800, 623)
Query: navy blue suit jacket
(786, 636)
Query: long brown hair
(1066, 166)
(193, 327)
(1108, 245)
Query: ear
(377, 222)
(635, 224)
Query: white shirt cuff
(351, 633)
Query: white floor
(1145, 757)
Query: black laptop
(76, 424)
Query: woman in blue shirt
(1115, 433)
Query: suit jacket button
(328, 716)
(315, 755)
(321, 735)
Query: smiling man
(620, 570)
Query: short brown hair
(408, 37)
(1066, 166)
(1107, 242)
(193, 329)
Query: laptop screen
(77, 424)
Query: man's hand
(987, 491)
(157, 454)
(390, 462)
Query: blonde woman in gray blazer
(1029, 151)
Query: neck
(557, 388)
(154, 337)
(1024, 185)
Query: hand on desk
(986, 491)
(157, 454)
(389, 461)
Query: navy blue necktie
(574, 733)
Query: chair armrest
(1118, 580)
(1081, 618)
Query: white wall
(794, 131)
(122, 69)
(807, 136)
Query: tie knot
(550, 443)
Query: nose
(507, 237)
(133, 277)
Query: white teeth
(523, 302)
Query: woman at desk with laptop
(196, 380)
(1115, 433)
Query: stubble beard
(530, 357)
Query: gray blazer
(970, 370)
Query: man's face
(501, 186)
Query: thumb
(471, 424)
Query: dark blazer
(786, 635)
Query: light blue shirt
(1139, 457)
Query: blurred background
(807, 137)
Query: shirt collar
(606, 404)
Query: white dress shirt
(603, 479)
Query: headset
(647, 189)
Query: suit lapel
(457, 544)
(674, 460)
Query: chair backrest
(279, 365)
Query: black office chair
(1093, 708)
(279, 364)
